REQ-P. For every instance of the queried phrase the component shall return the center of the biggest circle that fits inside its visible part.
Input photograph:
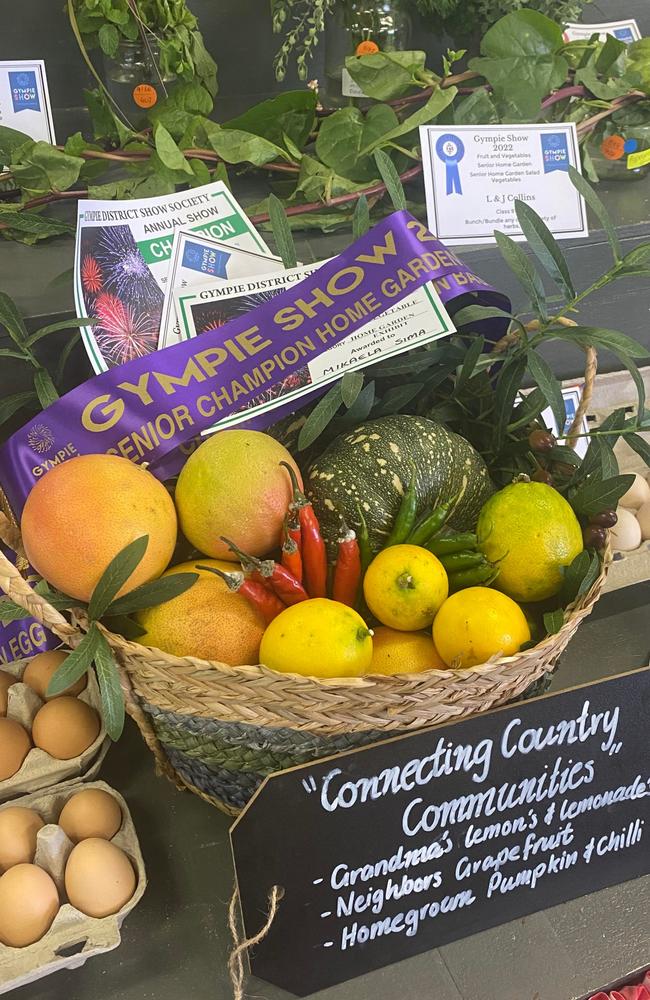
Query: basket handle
(20, 592)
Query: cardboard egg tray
(39, 769)
(73, 937)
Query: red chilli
(314, 554)
(270, 573)
(260, 597)
(347, 573)
(292, 545)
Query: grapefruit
(233, 485)
(206, 621)
(83, 512)
(395, 652)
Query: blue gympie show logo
(450, 149)
(624, 34)
(555, 151)
(24, 91)
(212, 262)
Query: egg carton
(73, 937)
(611, 392)
(39, 769)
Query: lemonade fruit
(234, 486)
(318, 638)
(206, 621)
(476, 624)
(404, 586)
(395, 652)
(83, 512)
(532, 533)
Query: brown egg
(18, 829)
(40, 670)
(6, 680)
(99, 877)
(29, 903)
(90, 813)
(65, 727)
(15, 744)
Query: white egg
(643, 517)
(626, 533)
(637, 495)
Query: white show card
(474, 173)
(416, 320)
(122, 255)
(197, 259)
(25, 99)
(626, 31)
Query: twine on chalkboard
(236, 959)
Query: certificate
(473, 174)
(25, 99)
(626, 31)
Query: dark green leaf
(324, 411)
(64, 356)
(553, 621)
(76, 664)
(469, 364)
(58, 600)
(386, 75)
(545, 247)
(115, 576)
(108, 39)
(64, 324)
(125, 626)
(595, 496)
(439, 100)
(524, 270)
(30, 223)
(292, 114)
(6, 352)
(148, 595)
(11, 320)
(529, 409)
(639, 257)
(108, 676)
(11, 404)
(235, 146)
(580, 576)
(508, 385)
(11, 140)
(351, 386)
(11, 612)
(391, 179)
(592, 336)
(45, 388)
(282, 233)
(407, 364)
(640, 446)
(361, 218)
(637, 378)
(563, 453)
(542, 373)
(477, 314)
(362, 406)
(397, 397)
(169, 152)
(597, 207)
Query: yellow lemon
(477, 623)
(318, 638)
(533, 534)
(396, 652)
(404, 586)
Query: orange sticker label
(366, 48)
(613, 147)
(144, 95)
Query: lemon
(477, 623)
(404, 586)
(533, 534)
(396, 652)
(318, 638)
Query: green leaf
(542, 373)
(563, 453)
(553, 621)
(397, 397)
(65, 355)
(580, 576)
(385, 75)
(76, 664)
(351, 386)
(595, 496)
(475, 109)
(108, 676)
(58, 600)
(169, 152)
(522, 268)
(33, 224)
(407, 364)
(12, 321)
(115, 576)
(10, 141)
(391, 179)
(186, 102)
(235, 146)
(292, 114)
(360, 409)
(12, 404)
(361, 218)
(640, 446)
(439, 100)
(125, 626)
(64, 324)
(44, 168)
(322, 414)
(545, 247)
(45, 388)
(109, 39)
(282, 233)
(592, 336)
(344, 134)
(149, 595)
(469, 364)
(11, 612)
(597, 207)
(508, 385)
(529, 409)
(477, 314)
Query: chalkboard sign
(412, 843)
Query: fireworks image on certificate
(120, 292)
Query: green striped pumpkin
(371, 466)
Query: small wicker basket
(219, 730)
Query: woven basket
(219, 730)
